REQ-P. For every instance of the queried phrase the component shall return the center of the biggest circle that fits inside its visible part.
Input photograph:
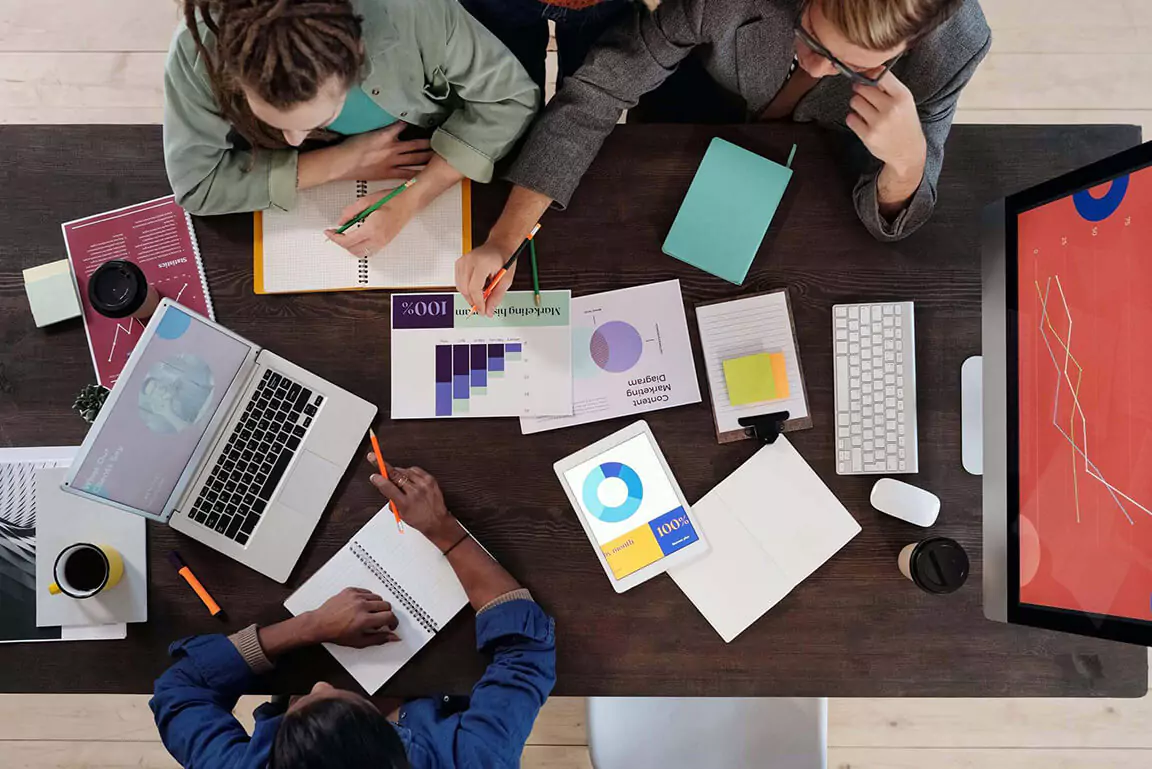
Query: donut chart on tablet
(602, 474)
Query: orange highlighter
(185, 572)
(384, 472)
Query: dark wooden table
(855, 628)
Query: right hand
(476, 268)
(381, 155)
(354, 617)
(419, 501)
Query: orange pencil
(504, 270)
(384, 472)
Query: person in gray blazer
(889, 71)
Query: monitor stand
(972, 414)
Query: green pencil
(535, 273)
(374, 207)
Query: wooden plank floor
(1054, 61)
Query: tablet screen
(631, 506)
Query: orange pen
(384, 472)
(185, 572)
(504, 270)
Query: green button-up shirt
(429, 63)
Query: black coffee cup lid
(117, 289)
(939, 565)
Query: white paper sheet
(630, 354)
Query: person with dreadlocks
(258, 91)
(331, 728)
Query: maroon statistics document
(158, 237)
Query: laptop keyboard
(253, 461)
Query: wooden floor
(1053, 61)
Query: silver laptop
(228, 443)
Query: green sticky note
(727, 210)
(750, 379)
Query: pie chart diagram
(616, 346)
(606, 473)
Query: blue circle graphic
(173, 324)
(1099, 209)
(625, 509)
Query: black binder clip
(765, 428)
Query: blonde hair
(881, 25)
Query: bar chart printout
(449, 362)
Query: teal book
(727, 210)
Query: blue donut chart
(591, 492)
(1099, 209)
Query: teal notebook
(727, 210)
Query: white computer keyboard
(874, 346)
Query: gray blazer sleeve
(633, 58)
(936, 114)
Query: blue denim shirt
(194, 698)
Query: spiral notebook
(406, 570)
(291, 254)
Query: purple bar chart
(465, 372)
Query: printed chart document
(18, 517)
(407, 571)
(630, 354)
(157, 237)
(292, 255)
(770, 525)
(761, 323)
(448, 361)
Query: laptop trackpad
(309, 485)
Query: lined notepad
(741, 327)
(404, 569)
(291, 254)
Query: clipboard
(757, 323)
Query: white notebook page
(746, 327)
(298, 257)
(769, 525)
(411, 561)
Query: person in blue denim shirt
(329, 727)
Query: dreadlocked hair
(283, 50)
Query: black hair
(337, 733)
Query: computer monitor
(1067, 345)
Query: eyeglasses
(855, 76)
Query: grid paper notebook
(407, 571)
(292, 255)
(755, 324)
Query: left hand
(381, 226)
(354, 617)
(886, 120)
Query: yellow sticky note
(750, 379)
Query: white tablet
(631, 507)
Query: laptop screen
(161, 412)
(1085, 415)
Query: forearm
(433, 181)
(283, 637)
(483, 579)
(521, 213)
(896, 186)
(321, 166)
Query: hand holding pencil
(485, 274)
(417, 496)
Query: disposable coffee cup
(937, 565)
(119, 289)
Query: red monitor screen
(1085, 400)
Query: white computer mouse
(905, 501)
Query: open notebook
(292, 255)
(406, 570)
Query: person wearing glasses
(889, 71)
